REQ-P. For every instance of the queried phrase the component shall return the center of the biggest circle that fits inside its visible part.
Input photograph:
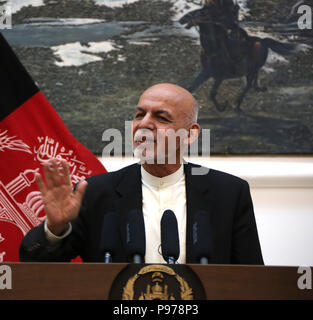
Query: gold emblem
(158, 287)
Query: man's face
(158, 116)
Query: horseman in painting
(227, 51)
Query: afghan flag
(31, 132)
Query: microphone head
(110, 236)
(169, 236)
(202, 235)
(135, 234)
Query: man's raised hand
(61, 204)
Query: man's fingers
(47, 174)
(41, 184)
(55, 173)
(66, 175)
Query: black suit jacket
(224, 197)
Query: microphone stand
(171, 260)
(107, 257)
(204, 260)
(137, 258)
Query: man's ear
(193, 134)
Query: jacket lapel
(129, 196)
(199, 197)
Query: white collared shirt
(158, 195)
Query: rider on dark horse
(228, 52)
(230, 43)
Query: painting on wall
(247, 62)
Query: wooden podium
(92, 281)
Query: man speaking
(94, 219)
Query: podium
(93, 281)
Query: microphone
(202, 237)
(169, 237)
(135, 236)
(109, 236)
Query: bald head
(176, 96)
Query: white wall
(282, 192)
